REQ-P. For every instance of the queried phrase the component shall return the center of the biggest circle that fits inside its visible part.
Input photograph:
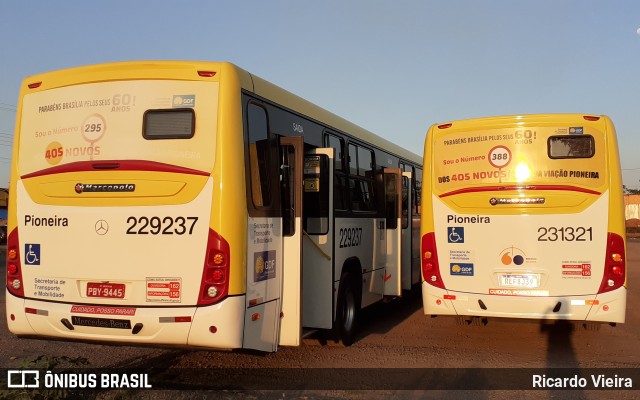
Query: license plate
(520, 280)
(105, 290)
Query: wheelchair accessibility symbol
(32, 254)
(455, 234)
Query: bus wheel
(347, 313)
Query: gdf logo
(184, 101)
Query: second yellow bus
(523, 218)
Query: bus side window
(405, 202)
(361, 195)
(259, 155)
(339, 180)
(391, 206)
(361, 171)
(416, 193)
(337, 143)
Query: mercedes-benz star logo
(102, 227)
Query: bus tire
(348, 309)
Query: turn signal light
(217, 259)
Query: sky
(393, 67)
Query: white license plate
(520, 280)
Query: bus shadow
(560, 351)
(561, 359)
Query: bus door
(291, 153)
(406, 238)
(264, 257)
(317, 243)
(393, 223)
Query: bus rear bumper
(217, 326)
(607, 307)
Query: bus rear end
(524, 219)
(114, 225)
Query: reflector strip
(164, 320)
(449, 297)
(585, 302)
(36, 311)
(255, 302)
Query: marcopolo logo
(182, 101)
(104, 188)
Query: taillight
(215, 275)
(590, 117)
(430, 266)
(445, 126)
(615, 271)
(15, 284)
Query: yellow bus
(523, 218)
(194, 203)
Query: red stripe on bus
(564, 188)
(115, 165)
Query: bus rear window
(571, 146)
(169, 124)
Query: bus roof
(524, 119)
(268, 90)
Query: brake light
(14, 268)
(206, 74)
(590, 117)
(34, 85)
(430, 266)
(214, 285)
(445, 126)
(615, 271)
